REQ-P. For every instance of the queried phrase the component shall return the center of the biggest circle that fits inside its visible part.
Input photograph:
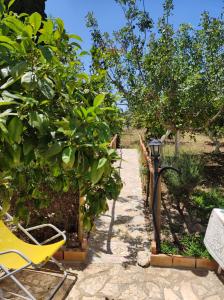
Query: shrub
(193, 245)
(169, 248)
(189, 245)
(190, 177)
(207, 200)
(56, 122)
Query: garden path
(123, 231)
(112, 273)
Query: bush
(169, 248)
(190, 177)
(189, 245)
(193, 245)
(56, 122)
(206, 201)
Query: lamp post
(155, 147)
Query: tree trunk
(177, 143)
(163, 139)
(215, 141)
(28, 6)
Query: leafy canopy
(55, 120)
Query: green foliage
(56, 122)
(171, 79)
(190, 245)
(193, 245)
(205, 201)
(169, 248)
(191, 174)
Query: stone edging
(179, 261)
(75, 255)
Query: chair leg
(20, 285)
(54, 291)
(30, 297)
(61, 268)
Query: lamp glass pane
(156, 150)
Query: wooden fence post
(80, 229)
(113, 143)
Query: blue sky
(110, 17)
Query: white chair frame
(11, 273)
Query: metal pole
(157, 174)
(155, 201)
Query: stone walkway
(112, 273)
(122, 232)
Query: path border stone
(179, 261)
(73, 254)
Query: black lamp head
(155, 146)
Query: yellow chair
(16, 255)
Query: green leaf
(16, 154)
(60, 24)
(39, 121)
(15, 129)
(76, 37)
(7, 102)
(11, 2)
(35, 21)
(102, 163)
(8, 83)
(46, 32)
(87, 223)
(15, 25)
(5, 72)
(46, 52)
(27, 147)
(96, 174)
(47, 88)
(53, 150)
(68, 157)
(19, 69)
(83, 76)
(83, 53)
(8, 46)
(3, 128)
(6, 39)
(98, 100)
(29, 81)
(2, 7)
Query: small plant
(193, 246)
(190, 245)
(169, 248)
(190, 177)
(56, 122)
(206, 201)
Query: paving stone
(93, 298)
(170, 295)
(133, 292)
(154, 292)
(199, 289)
(93, 284)
(187, 292)
(143, 259)
(111, 290)
(75, 294)
(215, 297)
